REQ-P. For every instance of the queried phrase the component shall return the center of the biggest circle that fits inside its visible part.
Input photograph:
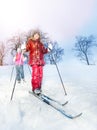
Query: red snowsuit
(36, 61)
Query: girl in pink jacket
(19, 61)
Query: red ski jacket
(36, 52)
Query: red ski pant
(37, 75)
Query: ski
(49, 98)
(63, 112)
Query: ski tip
(64, 103)
(77, 116)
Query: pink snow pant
(37, 75)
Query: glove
(50, 47)
(25, 59)
(23, 46)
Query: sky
(61, 19)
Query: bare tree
(16, 41)
(83, 47)
(2, 52)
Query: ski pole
(58, 72)
(60, 76)
(15, 82)
(11, 74)
(13, 89)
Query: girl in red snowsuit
(36, 60)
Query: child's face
(36, 36)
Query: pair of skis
(55, 104)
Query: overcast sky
(61, 19)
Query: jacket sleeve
(28, 45)
(44, 50)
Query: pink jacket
(19, 59)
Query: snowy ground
(25, 112)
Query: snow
(28, 113)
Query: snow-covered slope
(25, 112)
